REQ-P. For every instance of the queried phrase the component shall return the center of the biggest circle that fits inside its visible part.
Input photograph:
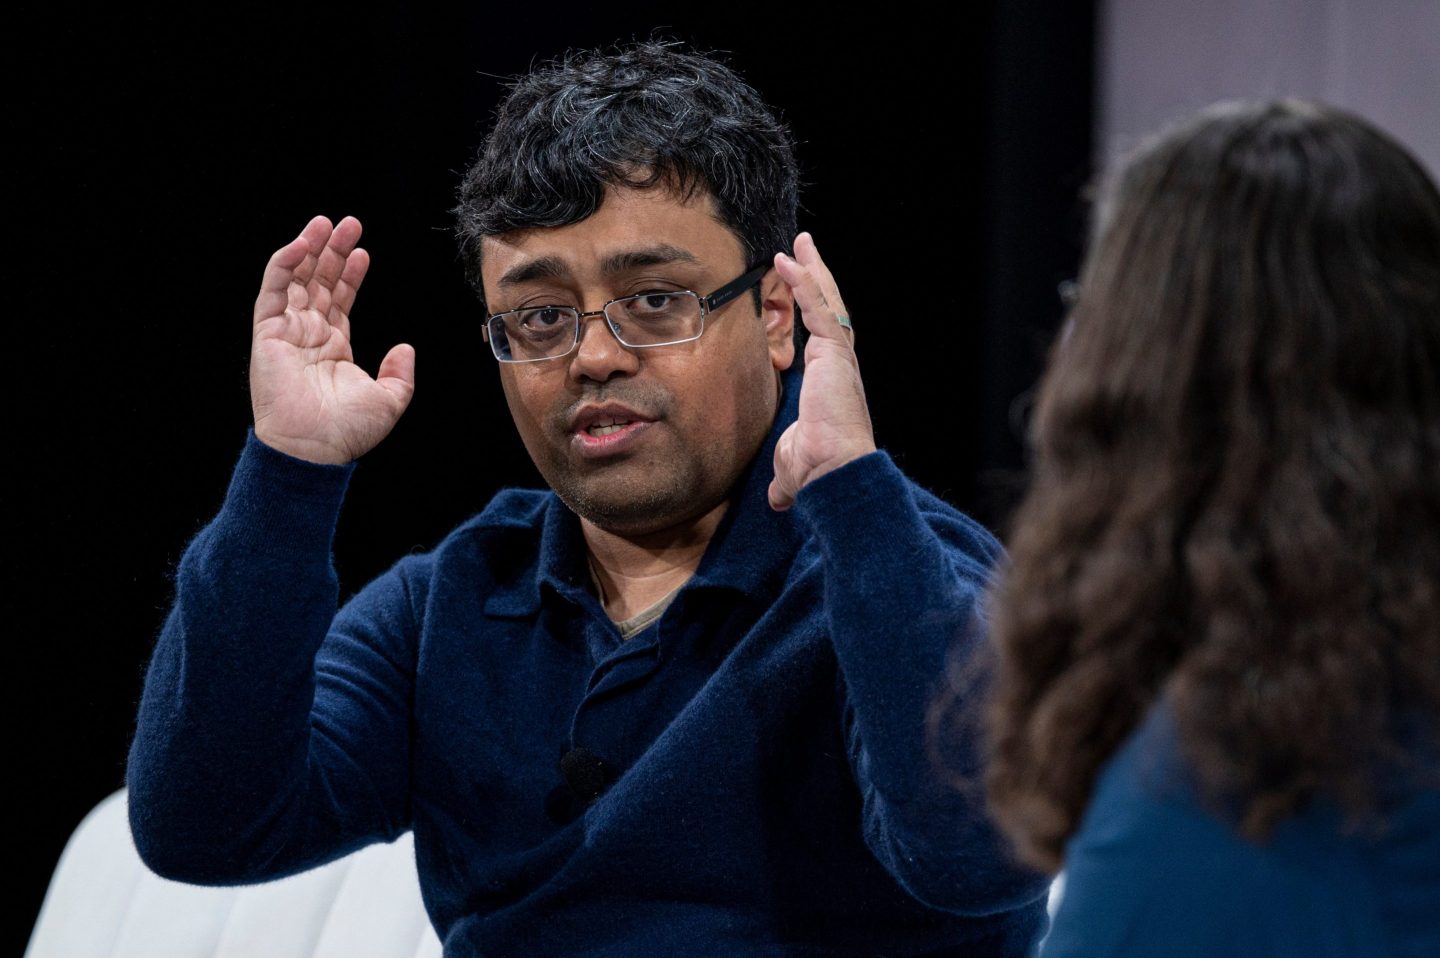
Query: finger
(330, 265)
(315, 234)
(779, 501)
(275, 283)
(808, 256)
(817, 312)
(344, 296)
(397, 373)
(286, 264)
(780, 495)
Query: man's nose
(599, 355)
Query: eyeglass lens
(647, 319)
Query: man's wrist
(859, 451)
(850, 485)
(315, 453)
(286, 494)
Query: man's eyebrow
(546, 267)
(553, 267)
(649, 256)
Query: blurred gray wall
(1162, 59)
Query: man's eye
(656, 301)
(543, 317)
(540, 324)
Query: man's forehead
(632, 229)
(529, 269)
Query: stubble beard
(648, 494)
(666, 488)
(649, 504)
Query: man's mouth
(608, 427)
(602, 430)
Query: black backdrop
(156, 161)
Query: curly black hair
(644, 115)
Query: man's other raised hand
(310, 399)
(833, 426)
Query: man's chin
(633, 510)
(624, 516)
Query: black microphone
(586, 773)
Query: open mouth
(603, 430)
(610, 437)
(607, 427)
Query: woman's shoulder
(1156, 868)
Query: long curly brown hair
(1235, 501)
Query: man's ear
(777, 309)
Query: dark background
(155, 162)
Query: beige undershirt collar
(639, 620)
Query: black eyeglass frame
(708, 304)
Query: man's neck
(635, 572)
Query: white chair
(104, 903)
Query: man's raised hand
(833, 425)
(310, 399)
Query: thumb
(782, 497)
(397, 373)
(780, 500)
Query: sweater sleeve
(272, 733)
(904, 574)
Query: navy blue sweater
(760, 751)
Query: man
(655, 710)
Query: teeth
(605, 429)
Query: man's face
(691, 416)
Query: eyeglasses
(661, 317)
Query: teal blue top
(1152, 872)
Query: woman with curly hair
(1218, 697)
